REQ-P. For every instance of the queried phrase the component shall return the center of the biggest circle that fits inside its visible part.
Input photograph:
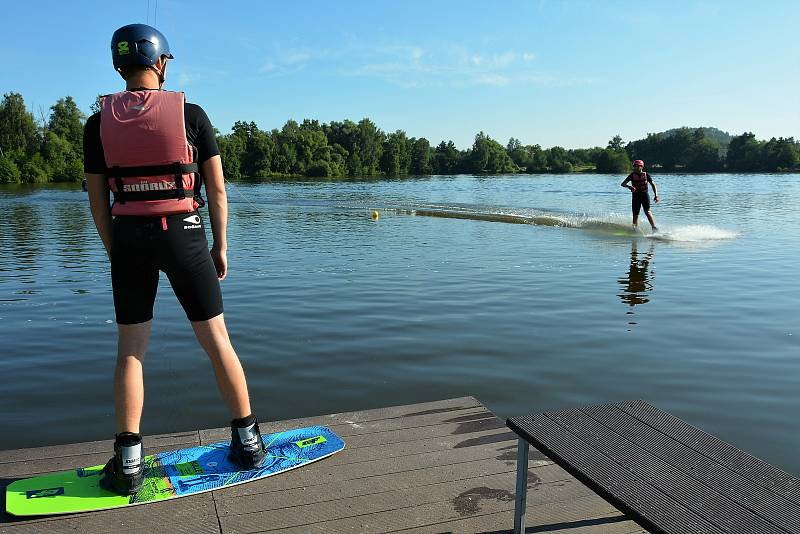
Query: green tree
(615, 143)
(517, 153)
(537, 159)
(446, 158)
(613, 161)
(558, 160)
(343, 135)
(370, 147)
(396, 156)
(63, 164)
(314, 149)
(231, 149)
(95, 107)
(744, 153)
(9, 172)
(675, 148)
(648, 149)
(584, 156)
(35, 170)
(17, 127)
(66, 121)
(489, 156)
(703, 155)
(362, 144)
(259, 149)
(421, 156)
(780, 154)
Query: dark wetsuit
(176, 244)
(640, 198)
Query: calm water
(332, 311)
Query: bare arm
(625, 183)
(214, 179)
(100, 205)
(655, 189)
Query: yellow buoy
(375, 215)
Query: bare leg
(132, 340)
(213, 337)
(651, 219)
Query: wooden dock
(436, 467)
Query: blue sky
(568, 73)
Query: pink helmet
(638, 163)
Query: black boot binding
(247, 448)
(124, 473)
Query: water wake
(608, 224)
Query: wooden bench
(665, 474)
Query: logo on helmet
(122, 48)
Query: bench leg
(522, 486)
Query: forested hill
(50, 150)
(709, 132)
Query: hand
(631, 188)
(220, 262)
(656, 198)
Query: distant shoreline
(47, 151)
(408, 177)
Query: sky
(569, 73)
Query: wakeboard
(168, 475)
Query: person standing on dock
(153, 150)
(640, 198)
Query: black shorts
(640, 200)
(175, 244)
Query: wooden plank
(190, 515)
(465, 419)
(590, 515)
(746, 465)
(321, 493)
(353, 419)
(677, 486)
(598, 471)
(490, 430)
(718, 477)
(460, 499)
(39, 465)
(358, 471)
(428, 518)
(164, 441)
(413, 447)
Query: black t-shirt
(199, 133)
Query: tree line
(50, 150)
(47, 150)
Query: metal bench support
(522, 486)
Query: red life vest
(151, 168)
(639, 181)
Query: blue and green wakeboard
(168, 475)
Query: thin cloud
(285, 63)
(186, 76)
(412, 66)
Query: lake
(528, 292)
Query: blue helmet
(138, 44)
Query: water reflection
(73, 232)
(639, 280)
(24, 236)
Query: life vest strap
(176, 169)
(153, 170)
(167, 194)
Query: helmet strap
(162, 74)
